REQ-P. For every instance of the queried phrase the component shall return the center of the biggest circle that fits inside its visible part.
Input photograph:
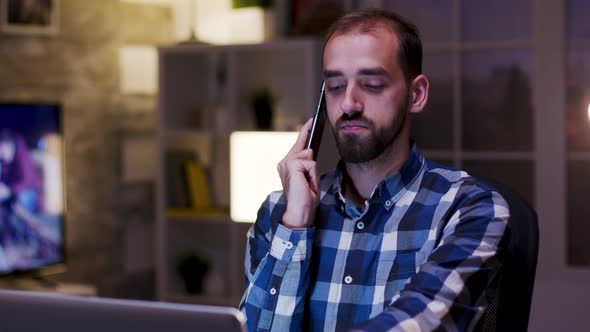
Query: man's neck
(360, 179)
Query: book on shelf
(188, 189)
(176, 184)
(198, 187)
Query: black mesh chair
(511, 303)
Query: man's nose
(352, 102)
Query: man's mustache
(355, 117)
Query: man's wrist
(296, 220)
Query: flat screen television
(32, 223)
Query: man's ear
(419, 93)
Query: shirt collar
(390, 189)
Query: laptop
(25, 311)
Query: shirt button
(289, 245)
(360, 225)
(348, 279)
(273, 291)
(388, 203)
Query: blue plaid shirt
(420, 256)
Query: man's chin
(353, 137)
(355, 156)
(355, 151)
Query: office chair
(510, 305)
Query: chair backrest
(510, 307)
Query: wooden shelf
(203, 97)
(196, 217)
(174, 134)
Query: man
(388, 241)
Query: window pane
(433, 128)
(497, 108)
(577, 13)
(578, 212)
(578, 100)
(518, 174)
(433, 17)
(496, 20)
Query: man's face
(366, 94)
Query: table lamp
(254, 156)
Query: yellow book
(199, 197)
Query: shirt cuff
(292, 244)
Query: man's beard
(355, 148)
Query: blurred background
(151, 90)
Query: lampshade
(138, 66)
(254, 156)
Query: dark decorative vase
(193, 269)
(262, 103)
(263, 113)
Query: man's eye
(374, 87)
(335, 87)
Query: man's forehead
(379, 36)
(377, 29)
(372, 49)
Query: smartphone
(317, 127)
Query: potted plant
(193, 268)
(262, 104)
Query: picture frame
(29, 17)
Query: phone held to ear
(317, 127)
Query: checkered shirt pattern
(420, 257)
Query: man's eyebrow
(332, 73)
(373, 72)
(377, 71)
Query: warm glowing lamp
(216, 22)
(254, 156)
(138, 68)
(588, 112)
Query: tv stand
(44, 282)
(41, 284)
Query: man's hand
(300, 179)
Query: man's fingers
(303, 154)
(314, 179)
(302, 138)
(283, 166)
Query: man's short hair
(366, 20)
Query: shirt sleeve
(276, 269)
(448, 291)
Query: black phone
(317, 127)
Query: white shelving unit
(203, 97)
